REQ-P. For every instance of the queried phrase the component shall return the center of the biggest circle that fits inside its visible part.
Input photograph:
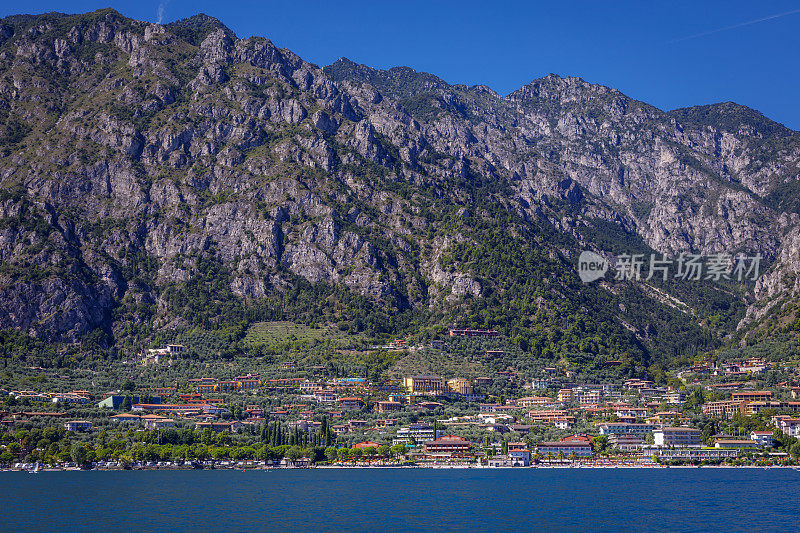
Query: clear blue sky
(669, 54)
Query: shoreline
(178, 468)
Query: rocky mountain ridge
(151, 170)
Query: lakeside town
(729, 413)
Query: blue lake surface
(427, 500)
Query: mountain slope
(156, 178)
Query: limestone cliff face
(131, 149)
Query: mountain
(156, 178)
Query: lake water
(427, 500)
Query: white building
(676, 436)
(763, 438)
(788, 425)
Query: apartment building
(424, 384)
(460, 386)
(676, 436)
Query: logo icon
(591, 266)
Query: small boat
(35, 468)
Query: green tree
(79, 454)
(331, 454)
(600, 444)
(399, 449)
(293, 453)
(370, 452)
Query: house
(311, 386)
(566, 395)
(171, 349)
(754, 365)
(734, 443)
(763, 438)
(350, 403)
(547, 415)
(578, 437)
(495, 418)
(227, 385)
(473, 333)
(752, 396)
(460, 386)
(534, 401)
(428, 405)
(244, 383)
(522, 429)
(424, 384)
(388, 388)
(385, 407)
(565, 449)
(539, 384)
(447, 446)
(325, 396)
(77, 425)
(418, 432)
(564, 423)
(301, 462)
(219, 427)
(490, 407)
(157, 422)
(70, 398)
(366, 444)
(183, 408)
(191, 397)
(637, 384)
(626, 411)
(354, 424)
(519, 454)
(206, 388)
(588, 396)
(663, 418)
(610, 428)
(675, 398)
(695, 454)
(501, 461)
(626, 442)
(676, 436)
(722, 409)
(48, 414)
(788, 425)
(125, 417)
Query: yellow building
(565, 395)
(672, 418)
(460, 385)
(424, 384)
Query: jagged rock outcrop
(132, 150)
